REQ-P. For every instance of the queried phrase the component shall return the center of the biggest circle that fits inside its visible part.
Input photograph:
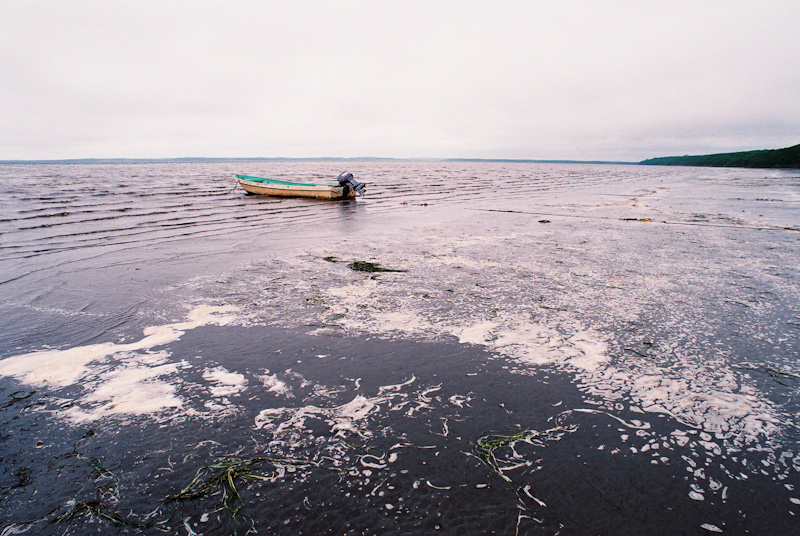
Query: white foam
(536, 344)
(740, 417)
(226, 383)
(129, 390)
(288, 426)
(275, 385)
(592, 352)
(480, 333)
(118, 378)
(397, 386)
(62, 368)
(56, 368)
(401, 321)
(341, 419)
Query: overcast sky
(556, 79)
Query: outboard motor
(347, 182)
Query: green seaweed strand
(487, 446)
(224, 478)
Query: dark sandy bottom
(402, 473)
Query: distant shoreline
(787, 158)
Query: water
(636, 328)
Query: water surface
(636, 330)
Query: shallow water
(643, 321)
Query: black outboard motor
(347, 182)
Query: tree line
(788, 157)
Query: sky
(535, 79)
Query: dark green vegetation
(364, 266)
(768, 158)
(221, 478)
(219, 482)
(486, 446)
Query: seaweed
(94, 463)
(225, 477)
(637, 352)
(365, 266)
(100, 509)
(107, 495)
(487, 445)
(779, 376)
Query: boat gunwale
(267, 181)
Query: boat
(345, 187)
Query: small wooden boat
(344, 188)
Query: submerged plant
(364, 266)
(99, 509)
(780, 377)
(487, 446)
(105, 482)
(225, 476)
(94, 463)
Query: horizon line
(301, 159)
